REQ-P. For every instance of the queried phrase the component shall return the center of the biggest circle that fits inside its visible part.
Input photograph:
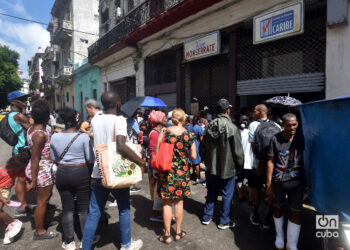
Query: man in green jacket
(224, 157)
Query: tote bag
(163, 159)
(115, 170)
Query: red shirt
(8, 181)
(153, 137)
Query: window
(67, 96)
(105, 86)
(84, 40)
(105, 16)
(57, 98)
(95, 94)
(130, 5)
(73, 101)
(117, 3)
(161, 68)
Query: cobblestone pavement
(243, 236)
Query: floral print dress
(176, 182)
(47, 169)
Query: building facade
(179, 49)
(87, 84)
(25, 82)
(73, 27)
(36, 71)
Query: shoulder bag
(164, 157)
(115, 170)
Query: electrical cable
(38, 22)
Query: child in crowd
(14, 168)
(85, 126)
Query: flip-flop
(182, 234)
(45, 236)
(163, 238)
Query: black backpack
(6, 132)
(263, 134)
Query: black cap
(223, 104)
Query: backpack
(6, 132)
(263, 134)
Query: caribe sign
(201, 47)
(280, 23)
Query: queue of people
(260, 153)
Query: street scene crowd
(253, 149)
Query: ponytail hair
(178, 116)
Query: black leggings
(73, 184)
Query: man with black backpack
(12, 131)
(260, 133)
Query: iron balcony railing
(133, 20)
(65, 71)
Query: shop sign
(203, 46)
(284, 22)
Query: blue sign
(277, 24)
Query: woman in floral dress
(175, 184)
(40, 169)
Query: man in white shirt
(104, 126)
(257, 178)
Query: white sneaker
(134, 245)
(199, 181)
(69, 246)
(113, 204)
(11, 231)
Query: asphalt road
(243, 236)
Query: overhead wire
(42, 23)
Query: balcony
(145, 20)
(62, 32)
(65, 71)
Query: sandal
(163, 238)
(45, 236)
(181, 235)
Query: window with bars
(299, 54)
(209, 80)
(161, 68)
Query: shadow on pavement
(143, 208)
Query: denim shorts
(295, 196)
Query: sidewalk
(243, 236)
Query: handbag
(115, 170)
(162, 161)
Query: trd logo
(329, 222)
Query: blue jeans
(99, 195)
(227, 187)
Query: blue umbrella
(152, 102)
(133, 104)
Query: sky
(21, 36)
